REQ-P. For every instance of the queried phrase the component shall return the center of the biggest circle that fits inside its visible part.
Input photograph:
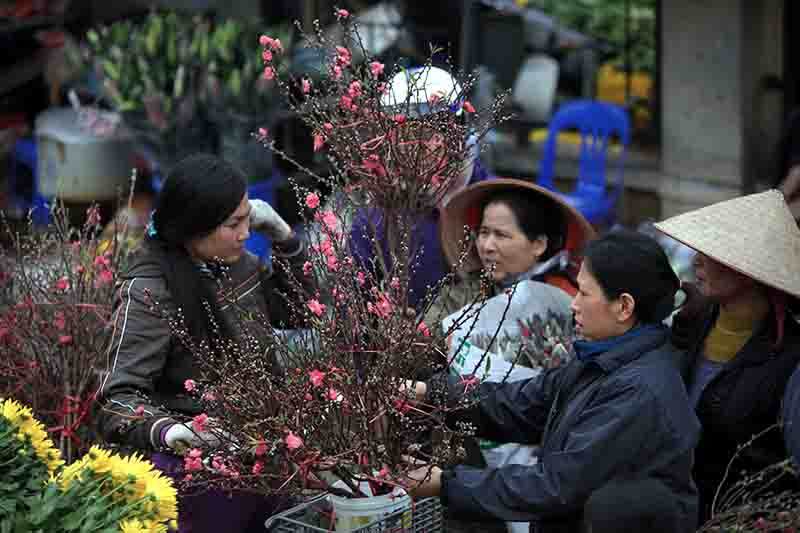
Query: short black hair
(624, 261)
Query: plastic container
(535, 87)
(354, 513)
(77, 165)
(314, 516)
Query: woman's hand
(426, 482)
(419, 388)
(264, 219)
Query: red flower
(468, 107)
(376, 68)
(399, 118)
(62, 284)
(423, 328)
(312, 200)
(266, 55)
(105, 277)
(316, 307)
(316, 377)
(65, 340)
(261, 449)
(307, 267)
(199, 423)
(355, 89)
(258, 467)
(319, 142)
(333, 395)
(293, 442)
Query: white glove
(180, 436)
(264, 219)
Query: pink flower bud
(342, 13)
(189, 385)
(65, 340)
(306, 86)
(269, 73)
(319, 142)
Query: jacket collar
(630, 349)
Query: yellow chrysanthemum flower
(133, 526)
(22, 417)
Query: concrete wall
(719, 126)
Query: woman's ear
(540, 246)
(627, 305)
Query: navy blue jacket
(623, 415)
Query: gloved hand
(264, 219)
(181, 436)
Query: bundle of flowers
(102, 492)
(55, 303)
(324, 407)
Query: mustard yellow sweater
(732, 330)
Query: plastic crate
(314, 516)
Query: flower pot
(355, 513)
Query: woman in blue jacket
(617, 418)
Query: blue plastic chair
(594, 196)
(24, 155)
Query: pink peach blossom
(376, 68)
(189, 385)
(316, 377)
(312, 200)
(316, 307)
(199, 423)
(293, 442)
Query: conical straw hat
(754, 234)
(464, 211)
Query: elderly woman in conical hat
(741, 341)
(520, 232)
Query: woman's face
(503, 246)
(226, 242)
(597, 317)
(718, 282)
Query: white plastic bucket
(535, 87)
(355, 513)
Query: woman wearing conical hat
(741, 341)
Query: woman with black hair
(522, 233)
(192, 264)
(614, 424)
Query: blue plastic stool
(596, 122)
(24, 155)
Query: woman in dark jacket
(193, 261)
(741, 342)
(615, 419)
